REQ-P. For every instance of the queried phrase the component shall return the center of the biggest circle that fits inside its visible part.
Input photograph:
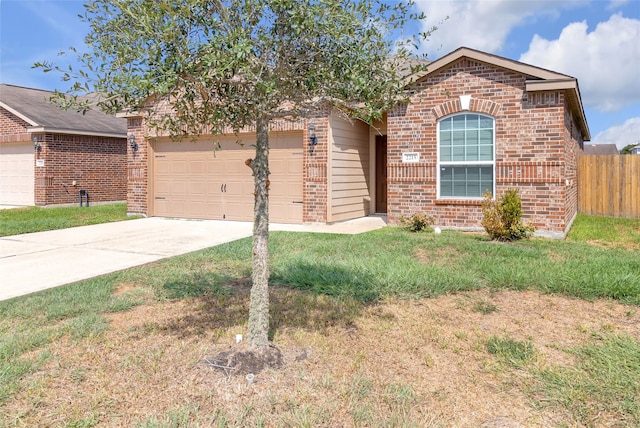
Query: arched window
(466, 156)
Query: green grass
(607, 230)
(605, 380)
(337, 275)
(384, 263)
(36, 219)
(511, 351)
(29, 323)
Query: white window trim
(460, 163)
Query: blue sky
(596, 41)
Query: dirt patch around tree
(396, 363)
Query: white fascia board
(43, 129)
(18, 114)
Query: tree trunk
(259, 305)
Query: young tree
(227, 64)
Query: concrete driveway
(37, 261)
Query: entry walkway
(37, 261)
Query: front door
(381, 173)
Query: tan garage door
(191, 180)
(16, 174)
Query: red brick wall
(573, 148)
(530, 145)
(137, 169)
(96, 164)
(12, 128)
(315, 185)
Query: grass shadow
(196, 284)
(307, 297)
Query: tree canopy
(222, 63)
(206, 66)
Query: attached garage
(194, 180)
(17, 174)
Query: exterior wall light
(313, 138)
(132, 142)
(36, 145)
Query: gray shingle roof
(600, 149)
(34, 106)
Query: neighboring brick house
(47, 155)
(475, 122)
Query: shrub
(418, 222)
(503, 219)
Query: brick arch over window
(476, 105)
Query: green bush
(418, 222)
(503, 219)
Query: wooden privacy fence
(609, 185)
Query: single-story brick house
(475, 122)
(47, 155)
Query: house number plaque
(411, 157)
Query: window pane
(472, 121)
(445, 154)
(458, 153)
(486, 136)
(472, 153)
(486, 153)
(458, 138)
(460, 189)
(466, 181)
(486, 173)
(486, 122)
(445, 124)
(446, 187)
(486, 177)
(446, 173)
(459, 121)
(445, 138)
(472, 137)
(473, 189)
(473, 174)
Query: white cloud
(606, 61)
(615, 4)
(620, 135)
(482, 25)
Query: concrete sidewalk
(37, 261)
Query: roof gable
(33, 106)
(537, 79)
(498, 61)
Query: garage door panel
(238, 188)
(197, 167)
(192, 180)
(17, 175)
(279, 211)
(198, 188)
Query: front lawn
(387, 328)
(36, 219)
